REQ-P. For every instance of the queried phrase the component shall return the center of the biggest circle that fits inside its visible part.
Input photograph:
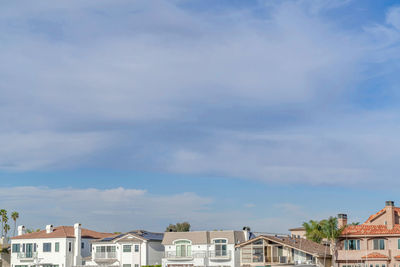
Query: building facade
(266, 250)
(132, 249)
(375, 243)
(62, 246)
(203, 248)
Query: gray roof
(204, 237)
(149, 236)
(301, 244)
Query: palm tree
(314, 231)
(6, 229)
(4, 219)
(15, 216)
(332, 232)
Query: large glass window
(183, 248)
(16, 248)
(379, 244)
(57, 247)
(258, 255)
(46, 247)
(220, 247)
(136, 248)
(352, 244)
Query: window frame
(183, 243)
(126, 248)
(47, 247)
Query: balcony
(27, 255)
(173, 256)
(219, 255)
(105, 256)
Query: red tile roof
(375, 255)
(397, 257)
(396, 209)
(365, 229)
(63, 232)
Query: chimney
(246, 231)
(49, 228)
(342, 220)
(389, 206)
(77, 245)
(21, 230)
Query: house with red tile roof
(62, 246)
(375, 243)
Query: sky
(127, 115)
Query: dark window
(69, 246)
(82, 245)
(46, 247)
(379, 244)
(16, 248)
(136, 248)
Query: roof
(141, 234)
(372, 217)
(375, 255)
(204, 237)
(301, 244)
(298, 229)
(63, 232)
(365, 229)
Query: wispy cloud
(158, 86)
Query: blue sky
(136, 114)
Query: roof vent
(389, 203)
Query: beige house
(375, 243)
(270, 251)
(299, 232)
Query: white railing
(26, 255)
(105, 255)
(219, 254)
(172, 255)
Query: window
(57, 247)
(127, 248)
(46, 247)
(383, 265)
(258, 255)
(377, 265)
(16, 248)
(136, 248)
(69, 246)
(183, 248)
(126, 265)
(220, 247)
(136, 265)
(352, 244)
(379, 244)
(105, 248)
(398, 243)
(82, 245)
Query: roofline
(267, 237)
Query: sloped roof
(373, 216)
(375, 255)
(302, 244)
(142, 234)
(365, 229)
(204, 237)
(63, 232)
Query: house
(299, 232)
(62, 246)
(132, 249)
(202, 248)
(267, 250)
(375, 243)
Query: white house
(62, 246)
(132, 249)
(203, 248)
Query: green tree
(6, 229)
(15, 216)
(314, 231)
(332, 232)
(179, 227)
